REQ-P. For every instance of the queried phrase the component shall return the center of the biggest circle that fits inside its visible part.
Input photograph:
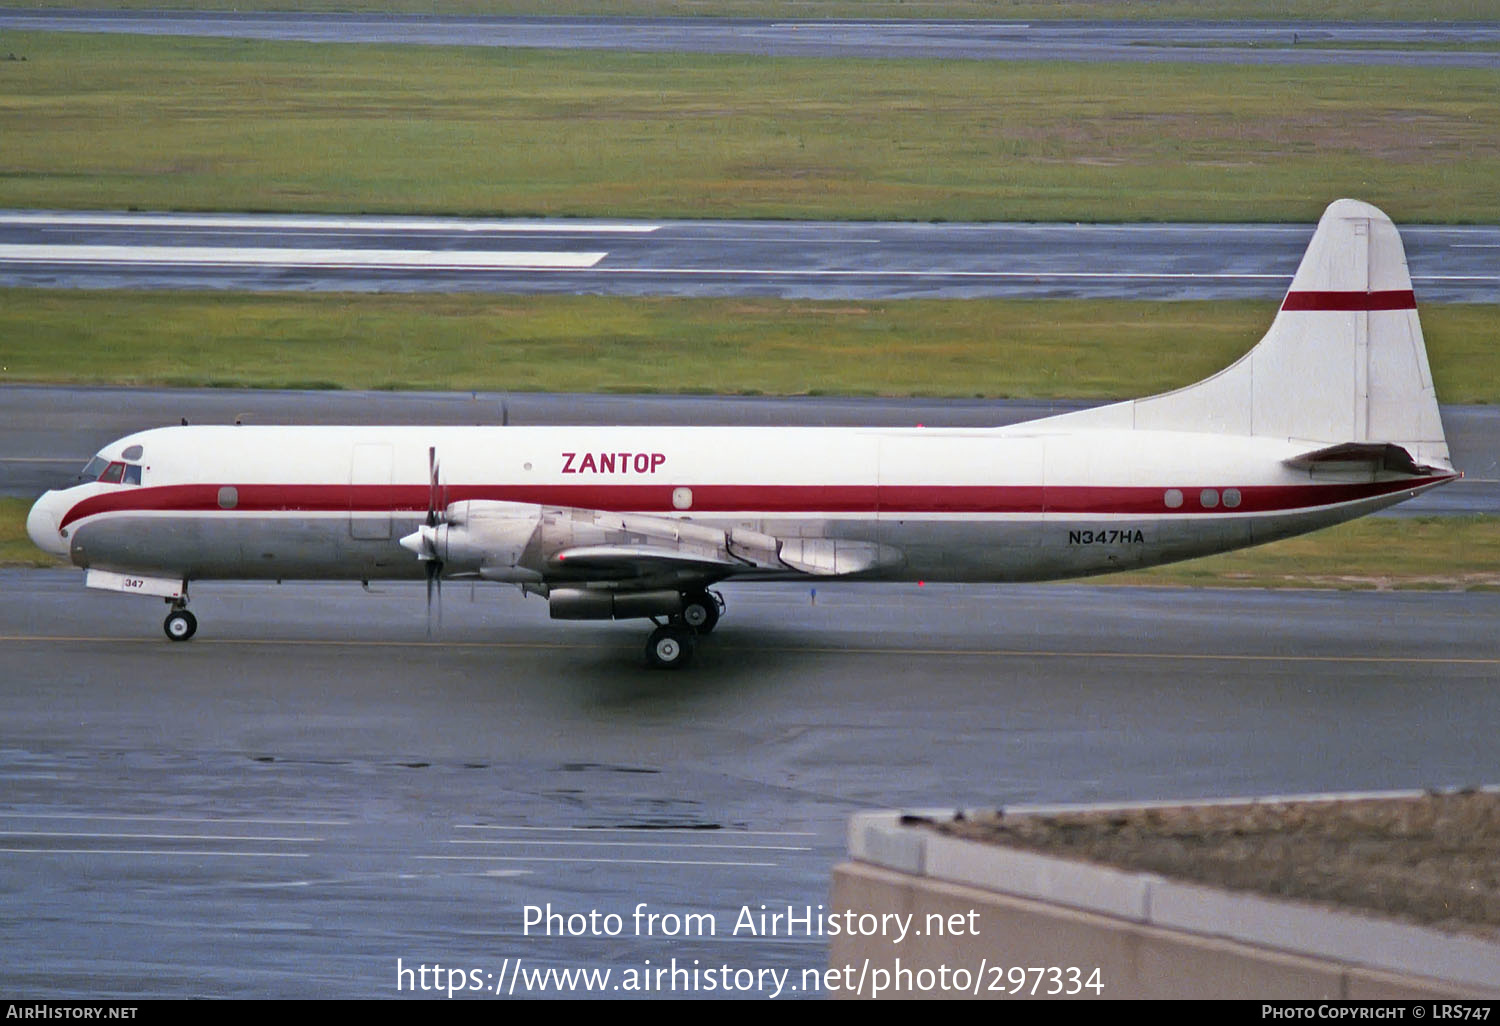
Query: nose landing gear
(180, 625)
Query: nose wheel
(180, 625)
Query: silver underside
(232, 546)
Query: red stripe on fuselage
(806, 500)
(1393, 299)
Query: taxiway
(314, 787)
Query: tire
(700, 611)
(180, 625)
(669, 648)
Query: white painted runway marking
(288, 257)
(1120, 276)
(198, 256)
(905, 27)
(148, 851)
(279, 233)
(215, 821)
(793, 272)
(83, 218)
(154, 837)
(642, 830)
(618, 862)
(634, 844)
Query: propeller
(423, 541)
(434, 564)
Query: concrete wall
(1147, 937)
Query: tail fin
(1344, 360)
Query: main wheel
(669, 647)
(700, 611)
(180, 625)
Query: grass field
(1033, 10)
(972, 347)
(16, 549)
(153, 123)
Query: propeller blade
(425, 539)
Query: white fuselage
(1020, 503)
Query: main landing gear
(671, 645)
(701, 610)
(180, 625)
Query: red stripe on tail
(1394, 299)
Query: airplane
(1331, 416)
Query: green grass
(1031, 10)
(984, 347)
(1427, 553)
(151, 123)
(15, 548)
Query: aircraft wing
(631, 545)
(627, 561)
(631, 550)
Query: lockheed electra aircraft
(1332, 416)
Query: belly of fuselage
(250, 547)
(1018, 548)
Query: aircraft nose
(41, 525)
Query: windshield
(93, 469)
(111, 472)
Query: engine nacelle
(487, 537)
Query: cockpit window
(93, 469)
(101, 469)
(132, 452)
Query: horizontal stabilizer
(1375, 455)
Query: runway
(701, 258)
(314, 788)
(1290, 43)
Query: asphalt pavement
(314, 788)
(793, 259)
(1425, 44)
